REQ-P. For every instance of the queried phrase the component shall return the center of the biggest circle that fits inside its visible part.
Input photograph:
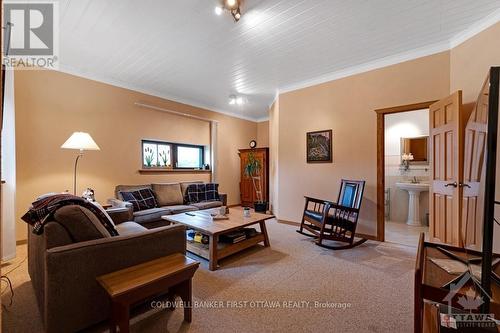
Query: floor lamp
(80, 141)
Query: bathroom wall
(398, 125)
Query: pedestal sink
(413, 190)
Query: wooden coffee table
(214, 251)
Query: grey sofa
(65, 260)
(171, 198)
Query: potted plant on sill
(164, 158)
(253, 169)
(148, 157)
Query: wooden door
(447, 164)
(474, 172)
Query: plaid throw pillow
(195, 193)
(141, 199)
(202, 192)
(212, 192)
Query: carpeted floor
(293, 286)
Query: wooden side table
(125, 287)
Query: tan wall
(273, 155)
(347, 106)
(52, 105)
(263, 134)
(470, 62)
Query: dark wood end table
(125, 287)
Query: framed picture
(319, 146)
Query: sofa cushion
(150, 215)
(177, 209)
(212, 192)
(129, 228)
(80, 223)
(168, 194)
(141, 199)
(184, 186)
(128, 188)
(202, 192)
(207, 204)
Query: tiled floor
(401, 233)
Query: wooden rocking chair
(328, 220)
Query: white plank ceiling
(179, 49)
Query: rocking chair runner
(328, 220)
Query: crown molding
(117, 83)
(456, 40)
(447, 45)
(275, 98)
(475, 29)
(369, 66)
(261, 119)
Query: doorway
(399, 173)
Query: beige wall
(273, 155)
(347, 107)
(263, 134)
(471, 60)
(52, 105)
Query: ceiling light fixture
(232, 6)
(236, 100)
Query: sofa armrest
(71, 289)
(223, 198)
(120, 214)
(115, 204)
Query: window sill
(153, 170)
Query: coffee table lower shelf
(202, 222)
(224, 249)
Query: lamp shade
(81, 141)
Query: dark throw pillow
(212, 192)
(141, 199)
(195, 193)
(202, 193)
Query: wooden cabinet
(247, 191)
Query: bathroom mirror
(418, 147)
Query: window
(189, 157)
(158, 154)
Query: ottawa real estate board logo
(470, 303)
(30, 35)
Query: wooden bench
(128, 286)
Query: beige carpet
(281, 284)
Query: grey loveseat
(65, 260)
(171, 198)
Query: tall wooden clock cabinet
(248, 194)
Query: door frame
(381, 113)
